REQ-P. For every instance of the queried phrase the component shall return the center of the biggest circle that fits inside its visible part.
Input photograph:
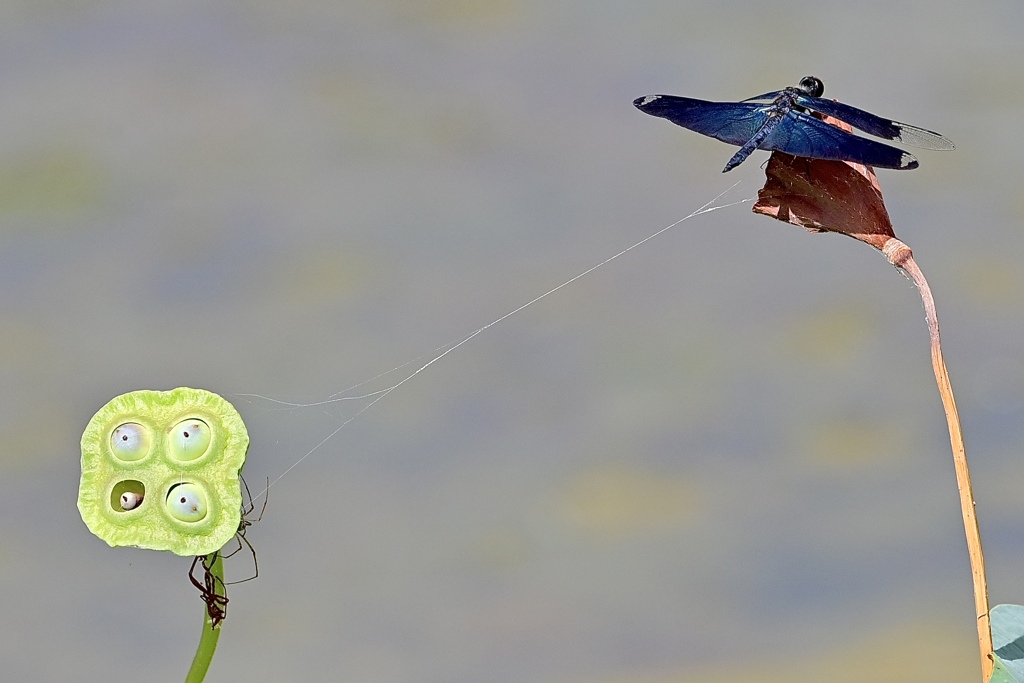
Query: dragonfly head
(812, 86)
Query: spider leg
(255, 562)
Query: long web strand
(448, 348)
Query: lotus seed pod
(160, 471)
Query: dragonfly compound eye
(812, 85)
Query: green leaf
(1008, 641)
(160, 471)
(1000, 674)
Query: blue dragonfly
(785, 124)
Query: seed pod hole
(127, 495)
(189, 439)
(186, 502)
(130, 442)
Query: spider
(213, 589)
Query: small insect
(213, 589)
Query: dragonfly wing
(806, 136)
(732, 122)
(876, 125)
(767, 96)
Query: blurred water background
(720, 456)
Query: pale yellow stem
(901, 256)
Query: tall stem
(900, 256)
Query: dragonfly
(786, 124)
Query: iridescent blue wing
(732, 122)
(805, 136)
(876, 125)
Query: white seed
(130, 500)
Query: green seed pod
(160, 471)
